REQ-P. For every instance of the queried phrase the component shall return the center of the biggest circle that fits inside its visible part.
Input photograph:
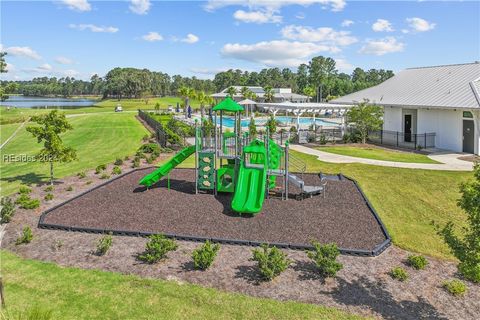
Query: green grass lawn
(70, 293)
(134, 104)
(6, 130)
(376, 153)
(98, 138)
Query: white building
(279, 94)
(444, 100)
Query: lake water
(41, 102)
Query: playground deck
(342, 217)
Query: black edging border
(346, 251)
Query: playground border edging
(378, 249)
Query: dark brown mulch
(342, 217)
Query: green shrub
(116, 170)
(157, 248)
(417, 262)
(149, 160)
(81, 175)
(105, 176)
(26, 237)
(70, 188)
(48, 197)
(24, 190)
(204, 256)
(146, 137)
(48, 189)
(136, 162)
(399, 273)
(100, 168)
(25, 202)
(118, 162)
(88, 182)
(149, 148)
(126, 158)
(104, 244)
(325, 258)
(8, 210)
(322, 139)
(271, 261)
(455, 287)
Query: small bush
(325, 258)
(146, 137)
(157, 248)
(8, 210)
(455, 287)
(322, 139)
(105, 176)
(136, 162)
(48, 197)
(118, 162)
(126, 158)
(417, 262)
(204, 256)
(48, 189)
(81, 175)
(25, 202)
(149, 148)
(70, 188)
(26, 237)
(116, 170)
(24, 190)
(88, 182)
(57, 245)
(100, 168)
(149, 160)
(399, 274)
(104, 244)
(271, 261)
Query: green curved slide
(161, 172)
(250, 189)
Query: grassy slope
(372, 152)
(71, 293)
(6, 130)
(134, 104)
(97, 138)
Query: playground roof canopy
(228, 104)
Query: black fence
(157, 127)
(402, 139)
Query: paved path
(449, 161)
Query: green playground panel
(206, 171)
(226, 179)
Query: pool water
(289, 121)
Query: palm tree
(309, 92)
(231, 91)
(202, 99)
(185, 93)
(245, 92)
(268, 94)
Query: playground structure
(235, 162)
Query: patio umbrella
(247, 102)
(178, 108)
(189, 112)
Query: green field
(98, 138)
(70, 293)
(6, 130)
(376, 153)
(134, 104)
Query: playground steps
(301, 184)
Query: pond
(42, 102)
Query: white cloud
(10, 67)
(69, 73)
(420, 25)
(343, 65)
(45, 67)
(300, 16)
(63, 60)
(257, 16)
(78, 5)
(382, 46)
(152, 36)
(324, 35)
(190, 38)
(382, 25)
(333, 5)
(93, 28)
(21, 52)
(347, 23)
(275, 53)
(140, 6)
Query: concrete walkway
(448, 161)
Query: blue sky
(83, 37)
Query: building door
(468, 136)
(407, 128)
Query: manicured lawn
(407, 200)
(376, 153)
(6, 130)
(70, 293)
(134, 104)
(98, 138)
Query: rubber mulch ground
(342, 217)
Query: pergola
(307, 107)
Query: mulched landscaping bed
(342, 217)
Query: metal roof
(448, 86)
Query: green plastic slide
(250, 189)
(161, 172)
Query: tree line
(319, 78)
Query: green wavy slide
(161, 172)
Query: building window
(467, 114)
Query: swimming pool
(288, 121)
